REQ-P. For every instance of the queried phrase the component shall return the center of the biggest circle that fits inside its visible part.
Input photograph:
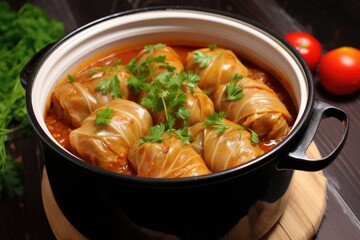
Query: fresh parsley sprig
(111, 85)
(202, 59)
(152, 48)
(233, 89)
(215, 119)
(104, 116)
(212, 46)
(164, 92)
(159, 133)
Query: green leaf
(237, 76)
(254, 136)
(152, 48)
(103, 117)
(191, 80)
(182, 113)
(215, 119)
(117, 62)
(10, 183)
(155, 134)
(111, 85)
(70, 78)
(202, 58)
(234, 91)
(184, 134)
(212, 46)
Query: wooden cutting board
(301, 219)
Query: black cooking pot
(106, 205)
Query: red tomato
(339, 70)
(308, 46)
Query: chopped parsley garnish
(111, 85)
(201, 58)
(215, 119)
(117, 62)
(104, 116)
(164, 92)
(70, 78)
(234, 91)
(157, 134)
(212, 46)
(152, 48)
(237, 76)
(254, 136)
(92, 72)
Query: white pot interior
(184, 26)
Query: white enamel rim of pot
(184, 25)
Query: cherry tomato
(339, 70)
(308, 46)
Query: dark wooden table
(334, 22)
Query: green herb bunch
(164, 92)
(22, 34)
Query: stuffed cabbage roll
(105, 136)
(199, 105)
(259, 109)
(168, 159)
(152, 52)
(215, 67)
(225, 149)
(82, 94)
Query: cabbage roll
(260, 109)
(215, 67)
(225, 149)
(105, 136)
(167, 159)
(199, 104)
(82, 94)
(152, 52)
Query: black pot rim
(266, 158)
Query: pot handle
(27, 73)
(297, 158)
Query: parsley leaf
(103, 117)
(182, 113)
(70, 78)
(216, 120)
(152, 48)
(212, 46)
(237, 76)
(111, 85)
(117, 62)
(254, 136)
(184, 134)
(234, 91)
(155, 134)
(202, 58)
